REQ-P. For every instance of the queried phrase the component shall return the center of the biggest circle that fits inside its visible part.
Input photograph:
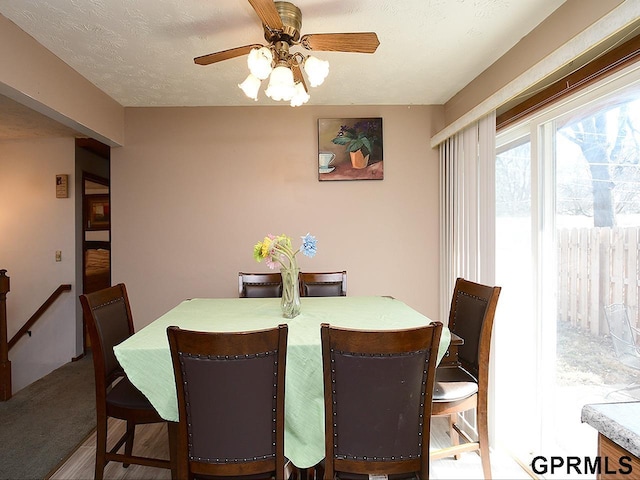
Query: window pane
(597, 220)
(514, 358)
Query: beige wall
(33, 225)
(195, 188)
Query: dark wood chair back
(259, 285)
(109, 322)
(323, 284)
(378, 387)
(473, 308)
(464, 385)
(231, 402)
(107, 315)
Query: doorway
(93, 225)
(96, 245)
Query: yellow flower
(257, 251)
(266, 243)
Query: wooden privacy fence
(597, 267)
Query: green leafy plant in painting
(361, 136)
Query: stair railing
(5, 346)
(5, 364)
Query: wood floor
(152, 440)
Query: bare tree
(590, 134)
(609, 183)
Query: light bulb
(316, 69)
(250, 86)
(300, 96)
(259, 62)
(281, 86)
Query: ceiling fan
(282, 22)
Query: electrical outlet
(58, 255)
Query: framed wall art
(97, 213)
(350, 149)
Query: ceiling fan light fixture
(282, 23)
(260, 61)
(316, 69)
(250, 86)
(281, 86)
(300, 96)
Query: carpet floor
(44, 422)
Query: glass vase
(290, 292)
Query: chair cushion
(125, 395)
(323, 289)
(453, 384)
(263, 290)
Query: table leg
(173, 448)
(312, 473)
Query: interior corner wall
(34, 224)
(194, 189)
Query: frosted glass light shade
(300, 96)
(259, 62)
(250, 86)
(281, 86)
(316, 69)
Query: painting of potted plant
(356, 145)
(359, 138)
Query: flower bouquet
(279, 251)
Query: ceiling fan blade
(298, 77)
(268, 13)
(366, 42)
(225, 54)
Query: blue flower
(308, 247)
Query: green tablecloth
(146, 359)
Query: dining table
(146, 359)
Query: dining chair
(463, 385)
(625, 338)
(230, 390)
(107, 315)
(259, 285)
(377, 395)
(323, 284)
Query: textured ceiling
(18, 122)
(140, 52)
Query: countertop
(620, 422)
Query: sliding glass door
(567, 241)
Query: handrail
(34, 318)
(5, 364)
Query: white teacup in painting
(325, 159)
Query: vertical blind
(467, 207)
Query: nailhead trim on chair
(228, 357)
(115, 300)
(231, 357)
(480, 299)
(422, 400)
